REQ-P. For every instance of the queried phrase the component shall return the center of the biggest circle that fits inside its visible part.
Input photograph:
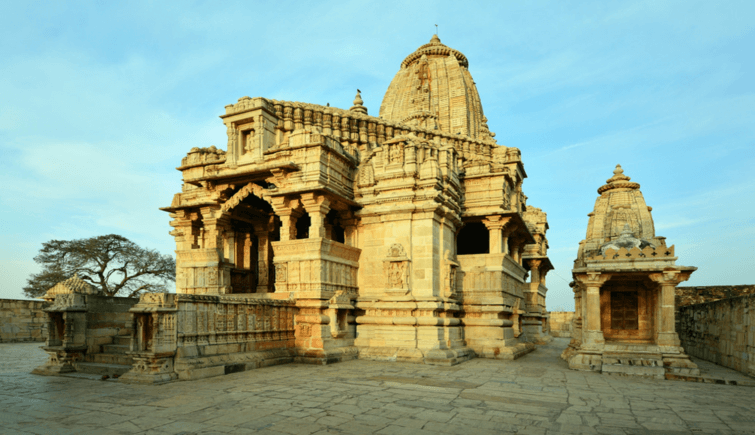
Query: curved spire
(433, 89)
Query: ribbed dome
(433, 89)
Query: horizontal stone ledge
(312, 318)
(410, 321)
(486, 322)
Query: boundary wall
(722, 332)
(22, 320)
(560, 323)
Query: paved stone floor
(536, 394)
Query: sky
(99, 101)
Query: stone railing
(722, 332)
(315, 265)
(22, 320)
(358, 128)
(180, 336)
(496, 275)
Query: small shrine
(624, 283)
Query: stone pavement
(536, 394)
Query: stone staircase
(112, 361)
(636, 360)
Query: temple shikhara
(322, 234)
(624, 287)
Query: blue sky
(100, 100)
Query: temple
(624, 287)
(322, 234)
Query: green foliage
(111, 263)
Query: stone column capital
(534, 263)
(314, 202)
(671, 277)
(495, 222)
(592, 279)
(285, 206)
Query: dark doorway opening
(302, 226)
(474, 238)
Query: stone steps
(102, 369)
(112, 361)
(635, 363)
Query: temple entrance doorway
(627, 311)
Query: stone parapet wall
(180, 336)
(722, 332)
(702, 294)
(22, 320)
(560, 323)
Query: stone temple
(323, 234)
(624, 287)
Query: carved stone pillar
(288, 212)
(495, 225)
(317, 206)
(264, 252)
(247, 252)
(229, 246)
(517, 246)
(531, 298)
(592, 334)
(665, 317)
(576, 339)
(349, 228)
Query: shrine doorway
(627, 311)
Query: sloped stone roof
(73, 284)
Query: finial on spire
(618, 176)
(619, 180)
(358, 104)
(435, 39)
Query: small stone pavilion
(624, 287)
(323, 234)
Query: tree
(111, 263)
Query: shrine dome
(620, 215)
(433, 89)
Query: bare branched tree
(112, 263)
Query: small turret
(358, 104)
